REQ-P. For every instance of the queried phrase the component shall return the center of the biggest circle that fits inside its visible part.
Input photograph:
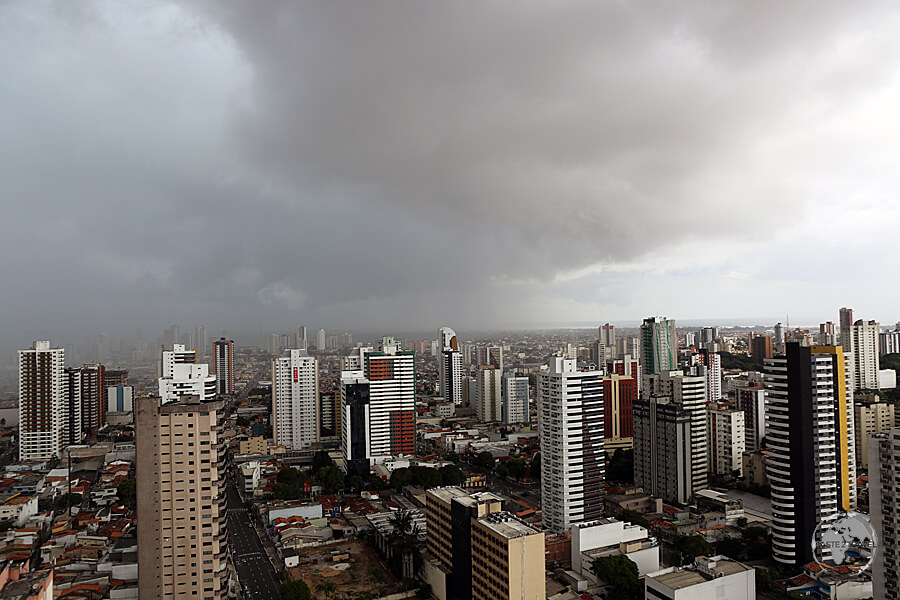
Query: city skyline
(594, 189)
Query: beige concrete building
(482, 551)
(253, 445)
(754, 467)
(870, 417)
(181, 500)
(507, 559)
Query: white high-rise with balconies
(41, 398)
(449, 366)
(181, 376)
(861, 339)
(489, 402)
(295, 400)
(884, 511)
(572, 450)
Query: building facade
(181, 500)
(751, 399)
(811, 461)
(223, 365)
(659, 345)
(295, 400)
(726, 439)
(620, 392)
(515, 399)
(572, 449)
(884, 511)
(489, 394)
(870, 418)
(181, 376)
(450, 366)
(41, 392)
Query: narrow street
(255, 571)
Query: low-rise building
(611, 537)
(709, 578)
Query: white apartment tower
(515, 399)
(674, 466)
(378, 404)
(571, 422)
(884, 511)
(181, 376)
(41, 391)
(320, 340)
(295, 400)
(726, 439)
(810, 443)
(449, 366)
(489, 402)
(862, 341)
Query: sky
(376, 165)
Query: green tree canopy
(127, 491)
(331, 478)
(620, 573)
(516, 467)
(621, 467)
(321, 459)
(484, 460)
(295, 590)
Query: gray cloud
(400, 165)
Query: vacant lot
(363, 575)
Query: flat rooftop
(704, 569)
(447, 494)
(507, 525)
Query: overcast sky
(258, 165)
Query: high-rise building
(295, 400)
(827, 335)
(846, 320)
(713, 372)
(223, 365)
(662, 449)
(884, 511)
(628, 346)
(180, 376)
(726, 439)
(862, 340)
(572, 451)
(200, 340)
(608, 335)
(889, 343)
(669, 461)
(486, 553)
(172, 336)
(70, 410)
(120, 399)
(41, 389)
(810, 442)
(515, 399)
(627, 365)
(378, 403)
(659, 345)
(619, 395)
(181, 500)
(450, 366)
(779, 333)
(93, 393)
(707, 334)
(320, 340)
(329, 414)
(469, 391)
(870, 418)
(490, 356)
(751, 399)
(507, 559)
(301, 341)
(761, 348)
(489, 403)
(274, 344)
(113, 378)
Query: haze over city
(251, 166)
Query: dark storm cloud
(398, 164)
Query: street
(255, 572)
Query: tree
(690, 547)
(376, 483)
(127, 491)
(243, 422)
(3, 422)
(516, 467)
(484, 460)
(321, 459)
(621, 466)
(331, 478)
(400, 477)
(357, 484)
(633, 517)
(453, 457)
(329, 588)
(295, 590)
(403, 540)
(620, 573)
(502, 470)
(451, 475)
